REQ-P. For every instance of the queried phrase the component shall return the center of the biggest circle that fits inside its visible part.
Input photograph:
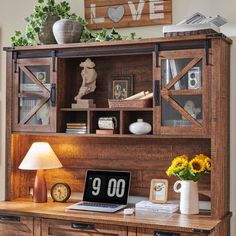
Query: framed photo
(41, 76)
(120, 87)
(158, 191)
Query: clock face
(107, 187)
(60, 192)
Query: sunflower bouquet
(187, 169)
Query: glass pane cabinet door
(183, 94)
(33, 93)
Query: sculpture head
(88, 73)
(89, 76)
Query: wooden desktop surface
(142, 219)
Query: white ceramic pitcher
(189, 202)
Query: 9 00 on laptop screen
(107, 186)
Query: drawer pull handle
(82, 226)
(10, 218)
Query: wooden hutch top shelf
(121, 42)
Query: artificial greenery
(38, 18)
(104, 35)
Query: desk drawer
(155, 232)
(13, 225)
(72, 228)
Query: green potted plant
(40, 22)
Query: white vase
(140, 127)
(67, 31)
(189, 202)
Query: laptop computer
(104, 191)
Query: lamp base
(40, 188)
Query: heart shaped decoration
(116, 14)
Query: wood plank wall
(146, 158)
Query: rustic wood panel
(147, 159)
(118, 14)
(151, 232)
(220, 127)
(37, 226)
(9, 112)
(61, 228)
(21, 125)
(187, 40)
(196, 56)
(23, 227)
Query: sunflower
(207, 161)
(169, 171)
(180, 157)
(197, 165)
(208, 164)
(179, 163)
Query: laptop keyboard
(97, 204)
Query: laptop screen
(107, 186)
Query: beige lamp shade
(40, 156)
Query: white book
(157, 207)
(191, 27)
(144, 210)
(197, 22)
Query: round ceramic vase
(140, 127)
(67, 31)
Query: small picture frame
(121, 86)
(158, 191)
(41, 76)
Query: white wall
(12, 14)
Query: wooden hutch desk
(174, 131)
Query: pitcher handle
(176, 189)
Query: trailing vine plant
(39, 16)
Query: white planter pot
(140, 127)
(189, 202)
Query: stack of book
(154, 207)
(195, 24)
(76, 128)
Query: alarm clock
(60, 192)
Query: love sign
(127, 13)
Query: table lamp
(40, 157)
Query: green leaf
(18, 33)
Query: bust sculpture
(89, 76)
(189, 106)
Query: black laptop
(104, 191)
